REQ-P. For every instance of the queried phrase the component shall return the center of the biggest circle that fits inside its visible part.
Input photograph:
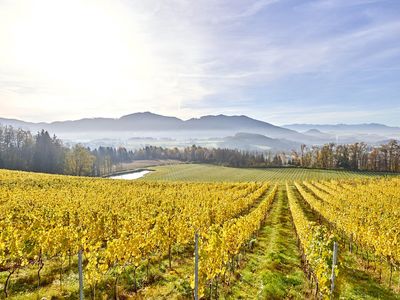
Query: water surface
(131, 176)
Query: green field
(201, 172)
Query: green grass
(24, 282)
(165, 283)
(273, 270)
(209, 173)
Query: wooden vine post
(334, 262)
(196, 266)
(80, 269)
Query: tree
(303, 148)
(342, 157)
(79, 161)
(48, 155)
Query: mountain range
(240, 132)
(150, 122)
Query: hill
(251, 141)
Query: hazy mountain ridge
(149, 122)
(251, 141)
(363, 127)
(372, 133)
(239, 131)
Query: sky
(281, 61)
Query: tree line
(219, 156)
(20, 150)
(357, 156)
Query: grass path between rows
(273, 270)
(175, 283)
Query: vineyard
(208, 173)
(115, 239)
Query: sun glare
(80, 46)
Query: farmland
(210, 173)
(268, 235)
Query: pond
(131, 176)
